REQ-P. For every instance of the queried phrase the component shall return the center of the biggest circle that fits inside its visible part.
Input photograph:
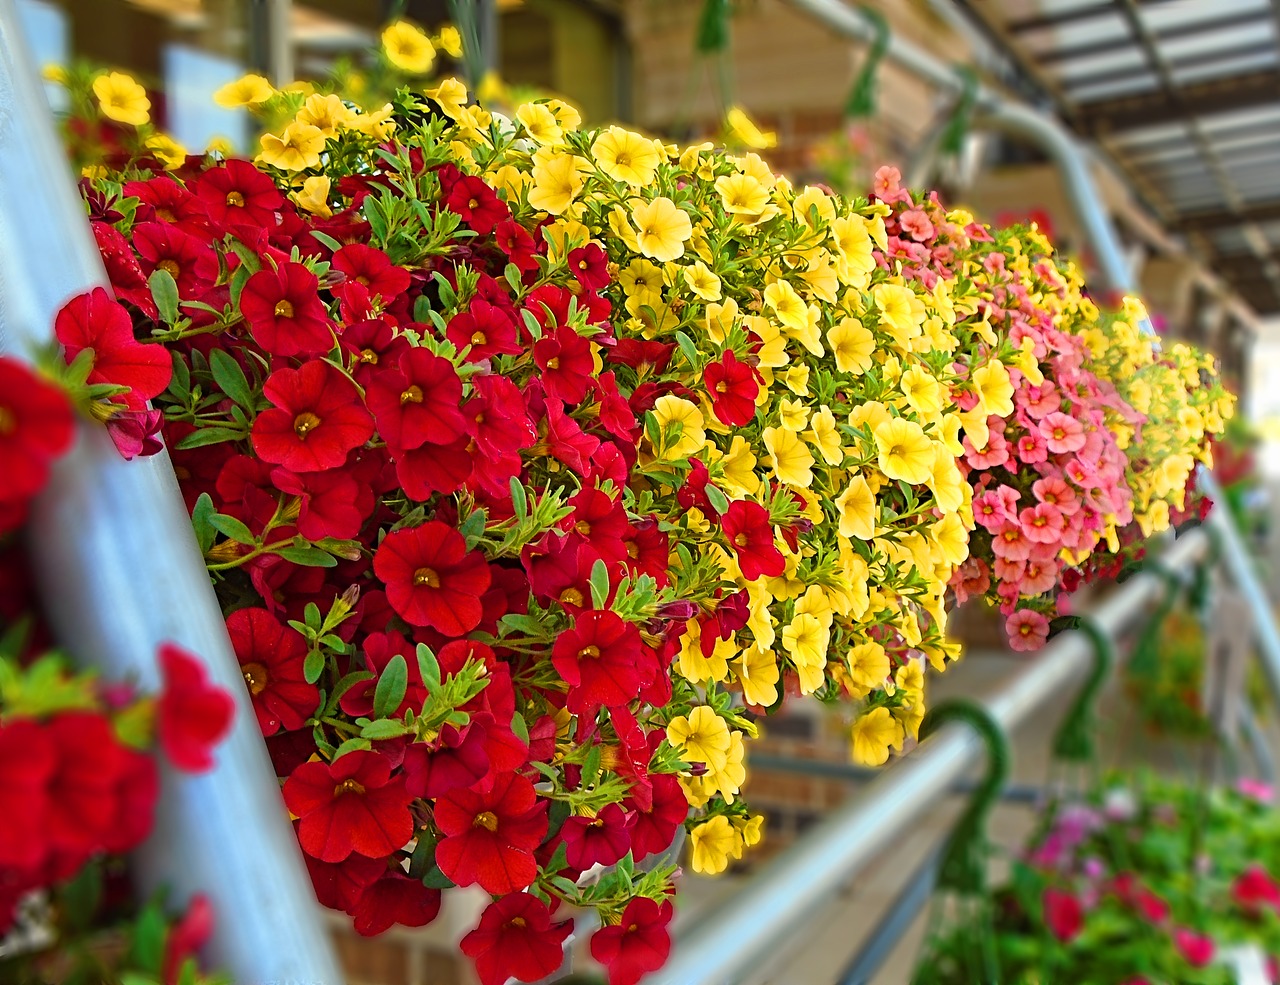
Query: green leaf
(719, 501)
(599, 584)
(392, 684)
(433, 878)
(351, 745)
(428, 666)
(233, 528)
(310, 556)
(559, 860)
(424, 854)
(208, 436)
(327, 240)
(79, 898)
(147, 951)
(201, 515)
(520, 727)
(519, 499)
(472, 528)
(164, 291)
(383, 728)
(518, 622)
(687, 347)
(313, 666)
(230, 377)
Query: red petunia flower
(1063, 913)
(598, 658)
(490, 834)
(638, 944)
(193, 715)
(271, 656)
(432, 579)
(1254, 889)
(316, 421)
(517, 243)
(123, 269)
(161, 199)
(284, 311)
(590, 267)
(486, 328)
(350, 805)
(653, 828)
(476, 202)
(602, 839)
(372, 269)
(188, 259)
(330, 504)
(417, 401)
(733, 387)
(136, 433)
(432, 468)
(96, 321)
(36, 426)
(238, 194)
(186, 937)
(564, 357)
(395, 899)
(747, 528)
(516, 939)
(1197, 949)
(28, 760)
(339, 885)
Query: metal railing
(119, 572)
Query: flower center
(553, 362)
(1059, 434)
(722, 387)
(589, 652)
(572, 596)
(165, 215)
(516, 922)
(255, 677)
(623, 160)
(305, 423)
(8, 421)
(170, 267)
(486, 820)
(369, 356)
(347, 786)
(426, 577)
(478, 338)
(583, 528)
(633, 550)
(473, 203)
(411, 395)
(284, 308)
(740, 540)
(235, 199)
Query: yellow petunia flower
(296, 149)
(742, 194)
(825, 436)
(663, 228)
(246, 91)
(122, 99)
(923, 392)
(901, 312)
(450, 95)
(702, 281)
(791, 459)
(806, 640)
(314, 196)
(789, 307)
(328, 114)
(857, 509)
(994, 389)
(713, 844)
(868, 665)
(166, 150)
(681, 426)
(702, 737)
(906, 452)
(874, 735)
(450, 41)
(556, 183)
(626, 156)
(540, 123)
(852, 344)
(408, 48)
(757, 672)
(745, 130)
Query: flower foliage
(517, 452)
(1149, 881)
(78, 776)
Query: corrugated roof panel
(1082, 91)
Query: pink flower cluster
(1051, 477)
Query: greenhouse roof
(1185, 94)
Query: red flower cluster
(36, 426)
(394, 459)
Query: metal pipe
(726, 944)
(1235, 558)
(1016, 119)
(120, 572)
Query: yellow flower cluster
(852, 446)
(1177, 391)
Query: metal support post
(120, 572)
(774, 904)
